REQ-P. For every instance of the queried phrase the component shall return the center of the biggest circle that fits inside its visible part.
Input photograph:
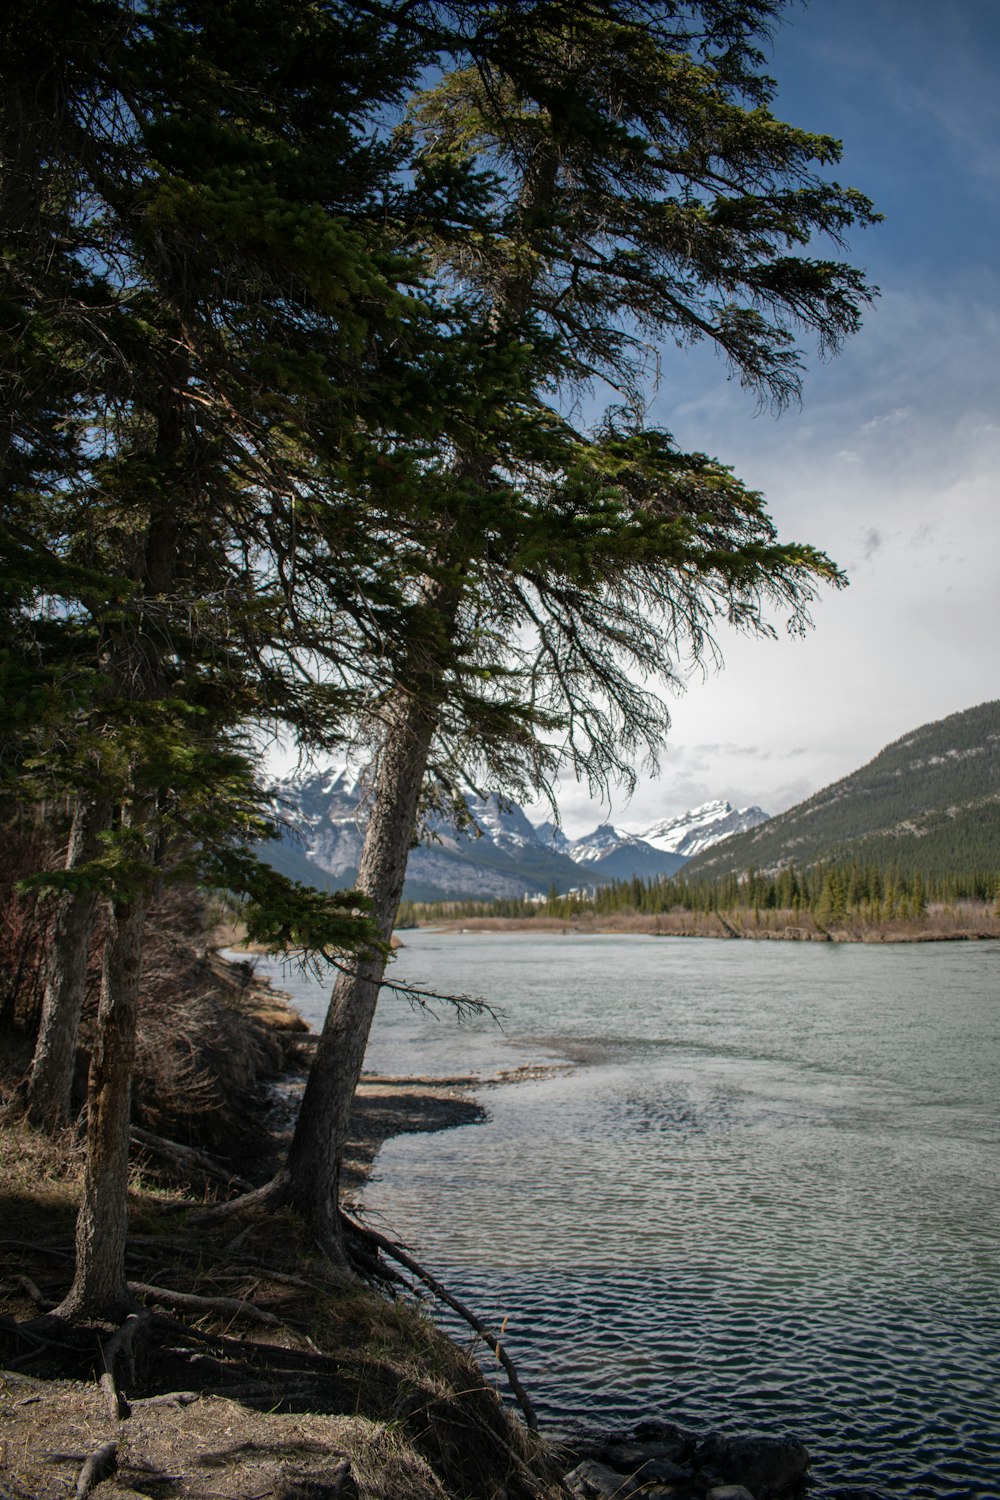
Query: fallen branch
(26, 1283)
(188, 1302)
(272, 1194)
(119, 1344)
(188, 1159)
(168, 1398)
(280, 1278)
(97, 1467)
(276, 1356)
(391, 1249)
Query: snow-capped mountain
(692, 832)
(503, 823)
(321, 815)
(610, 854)
(593, 847)
(552, 836)
(499, 854)
(616, 853)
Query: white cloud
(897, 415)
(892, 463)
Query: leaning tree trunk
(50, 1084)
(313, 1167)
(99, 1284)
(312, 1174)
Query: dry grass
(970, 920)
(408, 1408)
(275, 1407)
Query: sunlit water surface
(761, 1192)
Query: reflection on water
(766, 1195)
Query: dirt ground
(289, 1384)
(284, 1382)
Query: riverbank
(258, 1376)
(967, 921)
(250, 1369)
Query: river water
(758, 1188)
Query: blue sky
(891, 463)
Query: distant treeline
(829, 892)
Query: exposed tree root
(188, 1302)
(272, 1195)
(100, 1465)
(117, 1347)
(388, 1247)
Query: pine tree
(212, 312)
(640, 190)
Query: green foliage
(632, 186)
(287, 380)
(206, 311)
(283, 915)
(831, 893)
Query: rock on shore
(659, 1459)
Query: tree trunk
(51, 1082)
(321, 1130)
(99, 1282)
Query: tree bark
(51, 1081)
(99, 1284)
(135, 667)
(311, 1178)
(313, 1166)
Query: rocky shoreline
(662, 1461)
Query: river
(758, 1188)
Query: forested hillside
(929, 803)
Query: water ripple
(768, 1195)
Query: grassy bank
(251, 1369)
(967, 920)
(264, 1388)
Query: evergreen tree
(220, 324)
(640, 189)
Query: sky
(891, 464)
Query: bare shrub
(202, 1053)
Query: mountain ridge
(929, 801)
(499, 855)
